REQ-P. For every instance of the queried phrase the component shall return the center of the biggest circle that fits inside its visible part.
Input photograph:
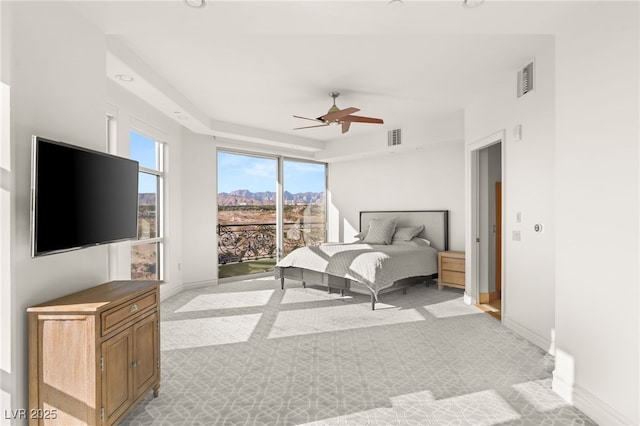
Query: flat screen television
(80, 197)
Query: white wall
(528, 287)
(597, 195)
(199, 215)
(576, 172)
(55, 68)
(134, 114)
(7, 381)
(415, 135)
(429, 178)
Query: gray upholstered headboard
(436, 223)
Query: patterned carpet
(248, 353)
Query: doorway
(485, 196)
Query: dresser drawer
(114, 318)
(452, 264)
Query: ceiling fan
(336, 116)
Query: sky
(236, 171)
(143, 150)
(259, 174)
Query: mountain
(244, 197)
(147, 199)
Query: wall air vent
(525, 80)
(395, 137)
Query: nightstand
(451, 269)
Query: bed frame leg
(282, 283)
(373, 303)
(341, 292)
(304, 285)
(404, 290)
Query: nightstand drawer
(452, 264)
(451, 269)
(452, 277)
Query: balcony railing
(253, 241)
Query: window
(146, 252)
(304, 204)
(250, 235)
(247, 214)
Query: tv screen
(80, 197)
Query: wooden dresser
(94, 354)
(451, 269)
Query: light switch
(518, 217)
(517, 133)
(515, 235)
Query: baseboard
(165, 294)
(488, 297)
(259, 275)
(199, 284)
(562, 387)
(468, 299)
(597, 410)
(538, 340)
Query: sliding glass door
(246, 214)
(304, 204)
(249, 205)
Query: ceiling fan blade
(358, 119)
(307, 118)
(345, 126)
(309, 127)
(338, 114)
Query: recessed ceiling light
(124, 77)
(395, 3)
(472, 3)
(195, 3)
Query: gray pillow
(380, 231)
(406, 233)
(360, 235)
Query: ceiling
(244, 68)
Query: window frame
(160, 176)
(280, 160)
(281, 182)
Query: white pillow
(415, 242)
(380, 231)
(427, 242)
(406, 233)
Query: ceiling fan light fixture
(195, 3)
(470, 4)
(124, 77)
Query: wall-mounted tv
(80, 198)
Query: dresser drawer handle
(134, 308)
(134, 364)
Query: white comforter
(375, 266)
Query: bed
(381, 261)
